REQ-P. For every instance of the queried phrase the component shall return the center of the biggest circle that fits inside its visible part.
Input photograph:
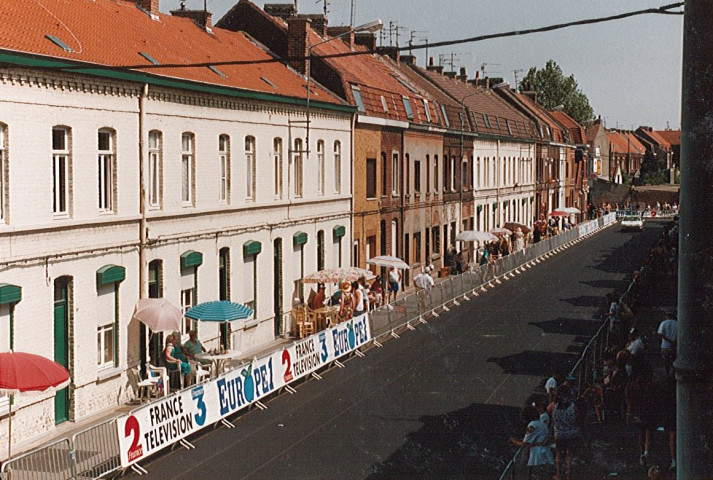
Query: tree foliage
(554, 89)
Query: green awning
(299, 238)
(109, 274)
(251, 247)
(506, 203)
(524, 201)
(339, 232)
(191, 258)
(495, 205)
(532, 199)
(479, 208)
(10, 293)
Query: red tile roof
(673, 137)
(489, 113)
(114, 32)
(576, 131)
(371, 73)
(625, 142)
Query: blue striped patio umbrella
(219, 311)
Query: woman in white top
(536, 437)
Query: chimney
(281, 10)
(319, 23)
(201, 17)
(463, 77)
(347, 38)
(150, 6)
(531, 95)
(367, 40)
(450, 75)
(391, 52)
(434, 68)
(297, 43)
(408, 59)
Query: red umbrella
(26, 372)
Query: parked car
(632, 222)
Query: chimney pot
(201, 17)
(298, 43)
(281, 10)
(348, 38)
(366, 39)
(151, 6)
(319, 23)
(463, 77)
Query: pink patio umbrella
(27, 372)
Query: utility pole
(694, 365)
(519, 70)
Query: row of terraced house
(144, 154)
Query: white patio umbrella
(334, 275)
(158, 314)
(475, 236)
(388, 261)
(568, 210)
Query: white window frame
(337, 166)
(60, 174)
(187, 296)
(298, 164)
(320, 167)
(187, 166)
(394, 173)
(105, 173)
(277, 166)
(102, 331)
(155, 139)
(3, 178)
(250, 147)
(224, 161)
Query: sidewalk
(612, 451)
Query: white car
(632, 222)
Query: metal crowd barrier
(51, 462)
(586, 370)
(94, 452)
(399, 314)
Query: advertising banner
(160, 424)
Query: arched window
(337, 167)
(320, 167)
(188, 168)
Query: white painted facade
(101, 226)
(504, 182)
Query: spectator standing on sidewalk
(537, 438)
(640, 411)
(552, 384)
(668, 332)
(568, 434)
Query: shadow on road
(569, 326)
(466, 443)
(537, 363)
(585, 301)
(619, 285)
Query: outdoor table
(219, 359)
(324, 315)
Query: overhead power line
(665, 10)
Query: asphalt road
(440, 401)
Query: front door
(61, 345)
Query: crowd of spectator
(632, 387)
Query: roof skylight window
(357, 98)
(428, 111)
(407, 106)
(149, 58)
(384, 104)
(445, 117)
(59, 43)
(216, 71)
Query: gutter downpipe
(143, 284)
(694, 365)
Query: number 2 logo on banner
(287, 362)
(132, 427)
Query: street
(440, 401)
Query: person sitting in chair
(176, 360)
(194, 347)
